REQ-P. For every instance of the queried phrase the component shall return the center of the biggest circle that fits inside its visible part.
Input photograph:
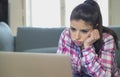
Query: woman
(91, 46)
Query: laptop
(22, 64)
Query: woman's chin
(78, 43)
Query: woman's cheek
(84, 37)
(72, 35)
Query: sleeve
(100, 66)
(61, 44)
(62, 48)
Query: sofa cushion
(6, 38)
(43, 50)
(33, 38)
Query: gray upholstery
(116, 29)
(43, 50)
(6, 38)
(34, 38)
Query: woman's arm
(100, 66)
(62, 48)
(61, 44)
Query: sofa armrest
(6, 38)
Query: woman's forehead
(81, 24)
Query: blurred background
(51, 13)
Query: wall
(104, 11)
(16, 14)
(114, 12)
(4, 11)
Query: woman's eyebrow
(72, 27)
(84, 29)
(80, 29)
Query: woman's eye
(73, 29)
(84, 31)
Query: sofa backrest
(32, 38)
(29, 38)
(116, 29)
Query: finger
(88, 34)
(96, 34)
(93, 34)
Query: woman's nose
(77, 37)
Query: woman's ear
(97, 24)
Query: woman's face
(80, 31)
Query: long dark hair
(89, 11)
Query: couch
(38, 40)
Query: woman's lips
(78, 43)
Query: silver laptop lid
(18, 64)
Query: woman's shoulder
(65, 35)
(107, 37)
(66, 32)
(108, 42)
